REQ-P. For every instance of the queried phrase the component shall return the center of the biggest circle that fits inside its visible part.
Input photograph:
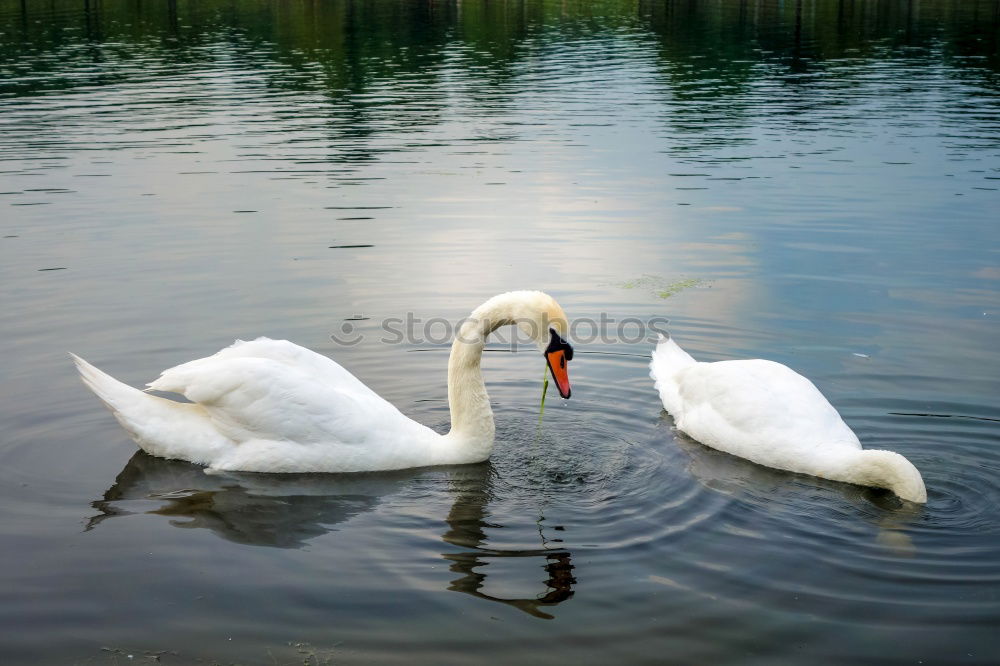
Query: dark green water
(815, 182)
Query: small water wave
(886, 548)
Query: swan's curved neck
(471, 415)
(882, 469)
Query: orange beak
(557, 364)
(557, 355)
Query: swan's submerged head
(890, 470)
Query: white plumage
(265, 406)
(272, 406)
(767, 413)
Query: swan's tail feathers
(161, 427)
(668, 355)
(117, 396)
(668, 360)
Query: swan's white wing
(179, 378)
(760, 410)
(277, 391)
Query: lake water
(813, 182)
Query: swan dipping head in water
(885, 469)
(769, 414)
(272, 406)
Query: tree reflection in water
(286, 511)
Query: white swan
(272, 406)
(768, 413)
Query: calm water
(814, 182)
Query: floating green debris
(659, 286)
(677, 287)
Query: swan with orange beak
(272, 406)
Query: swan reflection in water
(286, 511)
(730, 475)
(466, 521)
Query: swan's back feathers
(259, 398)
(762, 411)
(193, 374)
(275, 390)
(764, 398)
(757, 399)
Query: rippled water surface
(816, 182)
